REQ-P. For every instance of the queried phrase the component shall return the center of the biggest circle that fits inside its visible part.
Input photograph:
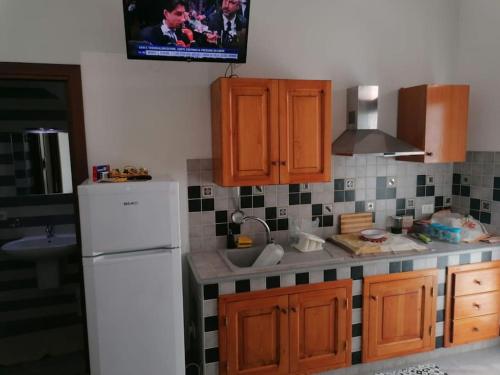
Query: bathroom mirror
(42, 141)
(35, 162)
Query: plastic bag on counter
(472, 229)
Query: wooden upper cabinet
(318, 334)
(305, 131)
(434, 118)
(245, 139)
(399, 314)
(267, 131)
(296, 330)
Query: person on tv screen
(230, 24)
(171, 30)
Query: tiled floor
(479, 362)
(70, 364)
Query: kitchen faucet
(49, 230)
(238, 217)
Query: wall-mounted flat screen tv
(187, 30)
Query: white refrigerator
(133, 278)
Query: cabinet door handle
(475, 329)
(478, 282)
(294, 310)
(284, 311)
(274, 162)
(283, 163)
(429, 153)
(373, 298)
(476, 305)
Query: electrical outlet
(485, 206)
(282, 212)
(207, 191)
(350, 184)
(427, 209)
(410, 203)
(370, 206)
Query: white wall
(478, 64)
(157, 114)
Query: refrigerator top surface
(161, 183)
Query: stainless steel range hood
(362, 135)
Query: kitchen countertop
(209, 267)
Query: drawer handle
(476, 305)
(478, 282)
(475, 329)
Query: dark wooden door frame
(71, 75)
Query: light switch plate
(447, 201)
(392, 182)
(305, 187)
(328, 209)
(258, 190)
(427, 209)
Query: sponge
(244, 242)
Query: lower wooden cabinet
(472, 303)
(303, 329)
(399, 313)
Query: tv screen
(187, 30)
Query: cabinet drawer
(473, 329)
(472, 282)
(476, 305)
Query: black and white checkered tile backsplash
(476, 188)
(383, 186)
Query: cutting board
(394, 244)
(352, 242)
(355, 223)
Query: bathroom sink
(34, 248)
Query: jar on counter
(454, 235)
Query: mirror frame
(71, 75)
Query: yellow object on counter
(244, 242)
